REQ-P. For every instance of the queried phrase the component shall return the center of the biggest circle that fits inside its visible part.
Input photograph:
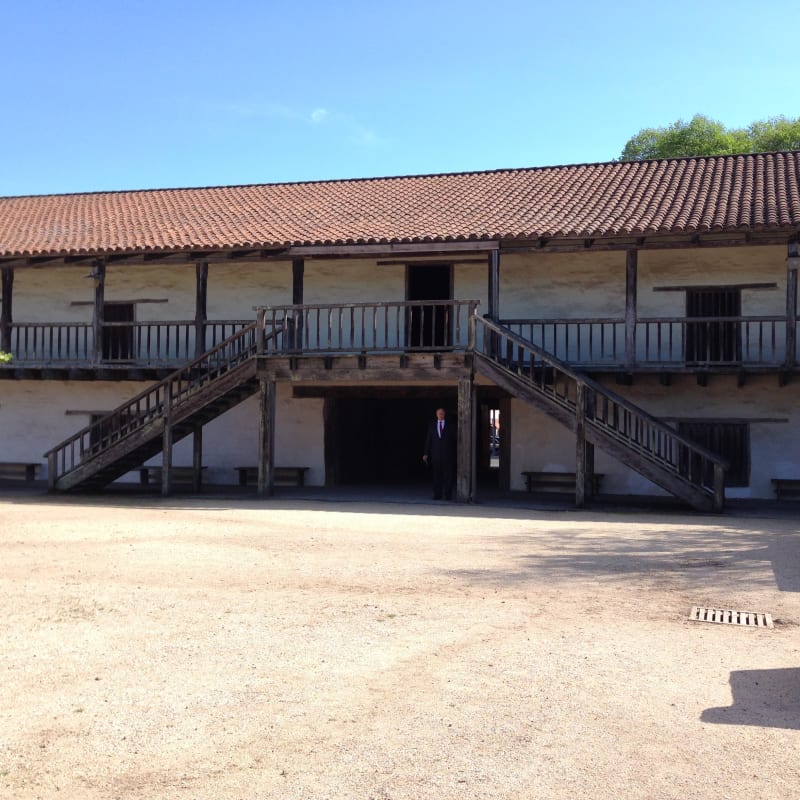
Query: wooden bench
(180, 475)
(556, 482)
(18, 470)
(787, 488)
(288, 476)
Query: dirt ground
(213, 648)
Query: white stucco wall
(718, 266)
(574, 285)
(542, 444)
(46, 295)
(231, 440)
(235, 290)
(33, 419)
(33, 414)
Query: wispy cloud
(346, 127)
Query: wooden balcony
(163, 344)
(353, 328)
(662, 344)
(665, 343)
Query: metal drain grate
(726, 616)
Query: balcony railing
(663, 341)
(162, 343)
(430, 325)
(600, 342)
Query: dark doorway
(379, 440)
(712, 340)
(731, 440)
(118, 338)
(430, 325)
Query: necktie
(441, 428)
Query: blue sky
(145, 94)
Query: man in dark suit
(440, 455)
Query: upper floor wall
(578, 302)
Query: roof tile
(723, 193)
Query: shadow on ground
(768, 698)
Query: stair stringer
(637, 461)
(137, 447)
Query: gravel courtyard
(212, 648)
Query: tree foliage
(702, 136)
(4, 357)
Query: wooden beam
(427, 263)
(266, 437)
(715, 287)
(7, 288)
(420, 248)
(653, 242)
(399, 392)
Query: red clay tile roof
(725, 193)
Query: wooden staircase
(181, 403)
(225, 375)
(620, 428)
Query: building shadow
(768, 698)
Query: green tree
(774, 135)
(702, 136)
(4, 357)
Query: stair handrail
(489, 349)
(156, 400)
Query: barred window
(731, 440)
(709, 339)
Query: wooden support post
(197, 459)
(261, 331)
(504, 478)
(200, 308)
(5, 311)
(792, 266)
(298, 272)
(631, 280)
(166, 443)
(52, 466)
(98, 275)
(494, 285)
(582, 455)
(719, 488)
(465, 459)
(266, 437)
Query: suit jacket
(443, 449)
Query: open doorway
(118, 338)
(429, 326)
(375, 440)
(377, 437)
